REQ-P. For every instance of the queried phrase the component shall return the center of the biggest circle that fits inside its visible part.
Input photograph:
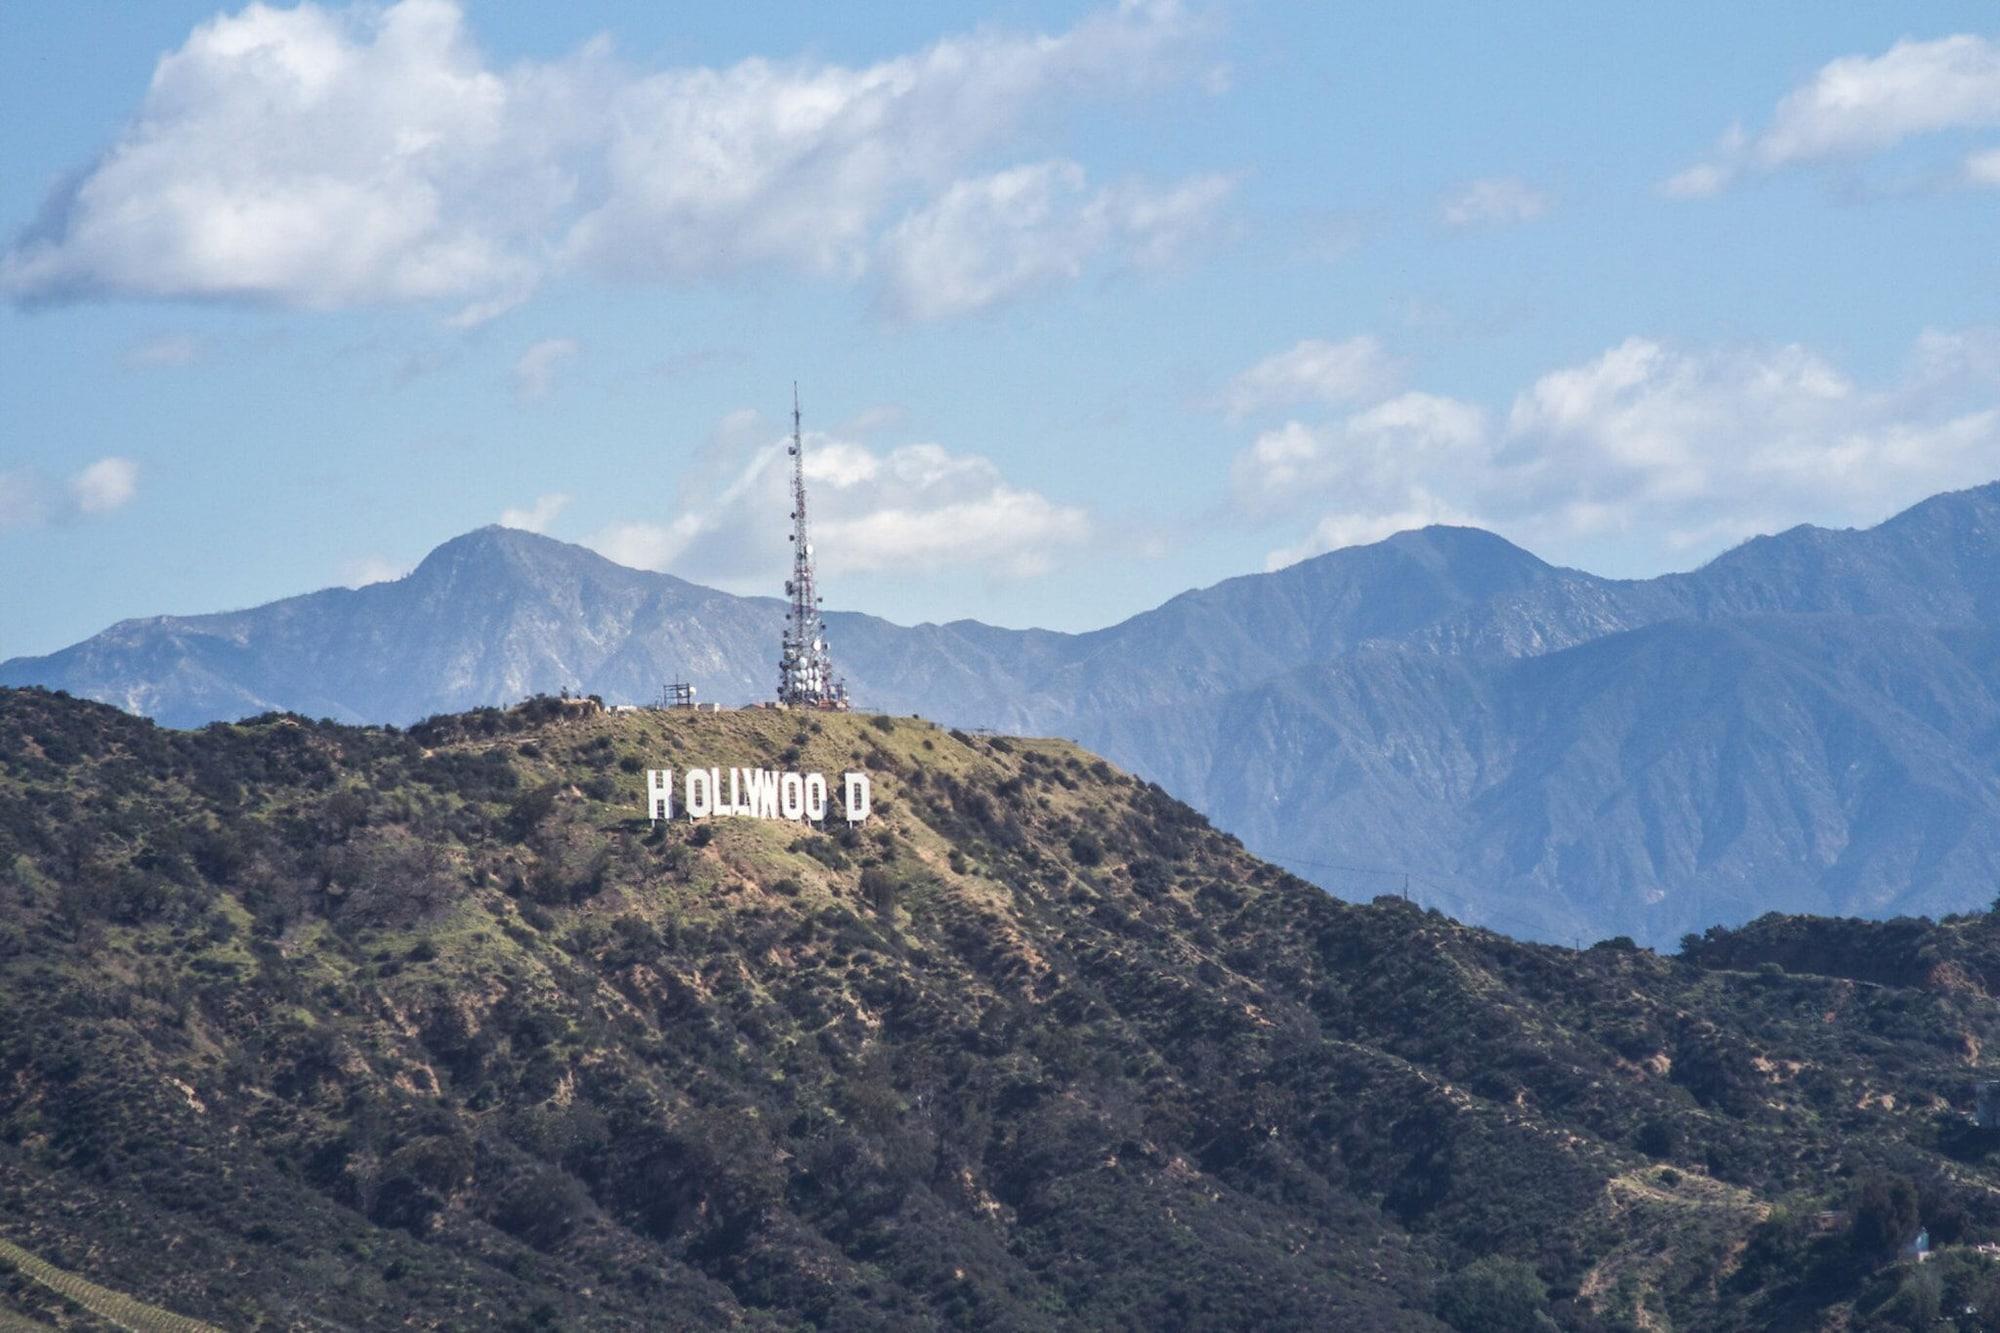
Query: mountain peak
(1976, 504)
(495, 551)
(495, 538)
(1437, 547)
(1451, 542)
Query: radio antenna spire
(805, 668)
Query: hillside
(1538, 748)
(312, 1025)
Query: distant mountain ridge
(1807, 723)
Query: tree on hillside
(1494, 1295)
(1885, 1215)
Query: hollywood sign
(755, 793)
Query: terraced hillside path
(114, 1307)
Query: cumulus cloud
(1314, 370)
(537, 516)
(1377, 467)
(535, 371)
(29, 499)
(1496, 201)
(313, 158)
(1668, 450)
(915, 507)
(107, 484)
(1859, 105)
(990, 238)
(323, 157)
(1650, 434)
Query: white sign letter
(857, 797)
(659, 794)
(700, 792)
(764, 793)
(815, 797)
(792, 796)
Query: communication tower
(677, 694)
(805, 671)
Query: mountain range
(1810, 722)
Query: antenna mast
(805, 670)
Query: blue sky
(1089, 303)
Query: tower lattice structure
(805, 669)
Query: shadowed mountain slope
(1649, 783)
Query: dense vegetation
(307, 1025)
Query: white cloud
(1699, 181)
(1381, 460)
(1947, 357)
(1983, 168)
(367, 569)
(1314, 369)
(1859, 105)
(107, 484)
(711, 170)
(643, 545)
(537, 516)
(1155, 228)
(310, 157)
(535, 372)
(1497, 201)
(28, 499)
(324, 157)
(1862, 104)
(1656, 440)
(913, 508)
(1643, 424)
(167, 349)
(1659, 450)
(987, 239)
(920, 505)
